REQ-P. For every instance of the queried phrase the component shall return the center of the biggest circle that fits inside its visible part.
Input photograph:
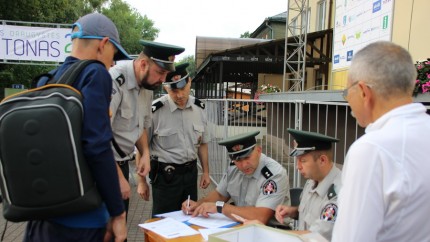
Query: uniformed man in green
(318, 204)
(255, 183)
(133, 82)
(178, 136)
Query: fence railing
(229, 117)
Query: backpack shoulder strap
(70, 75)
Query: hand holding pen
(188, 206)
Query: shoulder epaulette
(156, 105)
(266, 172)
(199, 103)
(331, 192)
(120, 79)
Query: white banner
(34, 43)
(357, 24)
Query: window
(306, 20)
(321, 15)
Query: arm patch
(266, 172)
(156, 106)
(120, 79)
(331, 192)
(199, 103)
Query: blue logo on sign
(336, 59)
(376, 6)
(349, 55)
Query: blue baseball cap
(98, 26)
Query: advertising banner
(357, 24)
(34, 43)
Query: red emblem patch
(269, 187)
(329, 212)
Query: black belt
(123, 162)
(179, 168)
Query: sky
(180, 22)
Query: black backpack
(43, 172)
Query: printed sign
(34, 43)
(357, 24)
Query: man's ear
(366, 94)
(324, 159)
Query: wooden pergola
(243, 64)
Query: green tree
(131, 25)
(192, 67)
(245, 35)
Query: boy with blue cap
(94, 37)
(256, 183)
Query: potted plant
(422, 84)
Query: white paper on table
(206, 232)
(169, 228)
(176, 215)
(215, 220)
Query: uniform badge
(237, 148)
(120, 79)
(329, 212)
(269, 187)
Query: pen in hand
(188, 203)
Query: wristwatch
(219, 205)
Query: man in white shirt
(385, 193)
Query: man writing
(256, 183)
(318, 206)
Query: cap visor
(165, 65)
(121, 54)
(178, 84)
(296, 152)
(242, 155)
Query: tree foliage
(245, 35)
(131, 25)
(192, 67)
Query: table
(153, 237)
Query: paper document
(169, 228)
(176, 215)
(206, 232)
(215, 220)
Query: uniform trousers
(168, 196)
(125, 171)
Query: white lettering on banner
(34, 43)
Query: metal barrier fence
(227, 117)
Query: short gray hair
(388, 68)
